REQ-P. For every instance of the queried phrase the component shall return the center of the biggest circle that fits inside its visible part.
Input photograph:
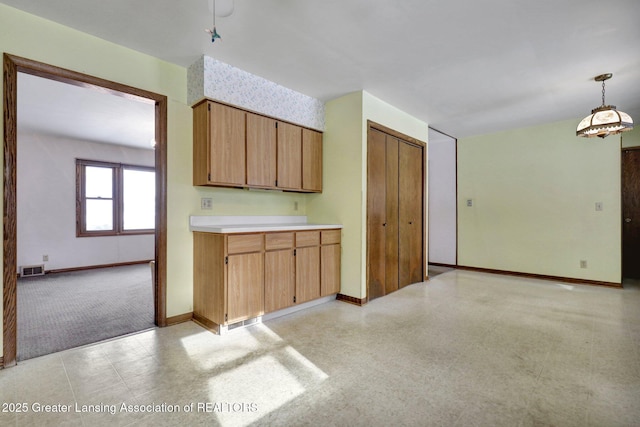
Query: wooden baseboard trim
(91, 267)
(351, 300)
(543, 277)
(206, 323)
(438, 264)
(180, 318)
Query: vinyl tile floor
(464, 349)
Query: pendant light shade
(604, 120)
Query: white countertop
(254, 224)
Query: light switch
(470, 202)
(598, 206)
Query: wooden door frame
(408, 139)
(622, 150)
(12, 65)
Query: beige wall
(344, 197)
(41, 40)
(534, 192)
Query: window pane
(99, 215)
(98, 182)
(139, 198)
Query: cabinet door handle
(384, 224)
(410, 222)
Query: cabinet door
(208, 277)
(227, 149)
(329, 270)
(261, 151)
(245, 286)
(311, 160)
(279, 280)
(307, 274)
(289, 156)
(410, 214)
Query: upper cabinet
(261, 151)
(219, 145)
(289, 156)
(311, 160)
(236, 148)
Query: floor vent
(31, 270)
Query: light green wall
(631, 138)
(344, 197)
(534, 192)
(341, 198)
(31, 37)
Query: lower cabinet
(279, 280)
(307, 274)
(245, 289)
(242, 276)
(330, 270)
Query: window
(114, 199)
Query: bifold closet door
(410, 214)
(382, 208)
(391, 223)
(376, 212)
(395, 212)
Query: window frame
(117, 170)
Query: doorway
(631, 213)
(443, 203)
(12, 66)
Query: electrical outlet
(469, 202)
(295, 206)
(206, 203)
(599, 206)
(583, 263)
(45, 257)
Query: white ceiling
(60, 109)
(465, 67)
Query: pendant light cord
(602, 82)
(214, 21)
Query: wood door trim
(11, 66)
(406, 138)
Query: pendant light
(604, 120)
(225, 10)
(212, 31)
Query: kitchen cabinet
(330, 263)
(279, 270)
(243, 276)
(228, 277)
(311, 160)
(219, 145)
(289, 156)
(261, 151)
(237, 148)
